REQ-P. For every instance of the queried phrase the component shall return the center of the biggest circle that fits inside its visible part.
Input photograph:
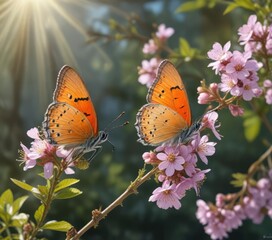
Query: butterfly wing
(157, 124)
(66, 125)
(71, 89)
(169, 90)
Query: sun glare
(34, 35)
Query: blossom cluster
(256, 37)
(268, 91)
(177, 164)
(147, 72)
(238, 69)
(221, 218)
(43, 154)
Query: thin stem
(254, 167)
(47, 204)
(132, 189)
(251, 171)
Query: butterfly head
(95, 142)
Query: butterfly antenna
(107, 129)
(121, 125)
(113, 147)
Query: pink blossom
(246, 89)
(220, 55)
(150, 157)
(202, 211)
(29, 163)
(171, 161)
(246, 31)
(164, 33)
(253, 210)
(268, 96)
(196, 180)
(166, 196)
(39, 148)
(268, 44)
(48, 169)
(220, 200)
(148, 71)
(183, 185)
(203, 147)
(218, 220)
(255, 35)
(33, 133)
(209, 121)
(43, 154)
(236, 110)
(227, 83)
(67, 155)
(267, 83)
(239, 66)
(150, 47)
(204, 98)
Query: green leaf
(252, 125)
(43, 190)
(239, 179)
(61, 226)
(247, 4)
(6, 197)
(18, 203)
(185, 49)
(6, 210)
(230, 8)
(190, 6)
(22, 185)
(39, 213)
(66, 183)
(67, 193)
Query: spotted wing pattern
(169, 90)
(167, 113)
(72, 90)
(66, 125)
(157, 124)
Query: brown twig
(98, 215)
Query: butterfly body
(70, 120)
(166, 118)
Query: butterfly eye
(103, 136)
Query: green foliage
(61, 226)
(10, 218)
(239, 179)
(22, 185)
(67, 193)
(186, 51)
(263, 7)
(252, 125)
(247, 4)
(65, 183)
(39, 213)
(197, 4)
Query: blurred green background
(38, 37)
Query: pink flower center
(238, 67)
(247, 87)
(171, 157)
(166, 192)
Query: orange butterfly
(70, 120)
(166, 118)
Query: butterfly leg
(96, 151)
